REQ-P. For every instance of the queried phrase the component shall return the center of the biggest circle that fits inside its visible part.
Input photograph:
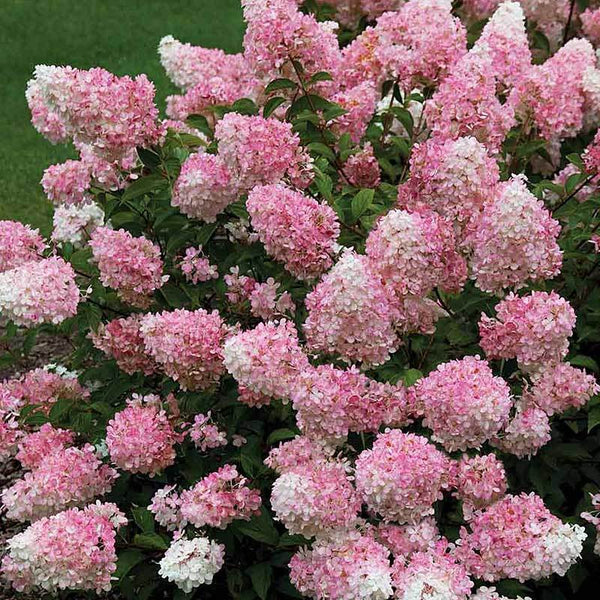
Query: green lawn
(118, 35)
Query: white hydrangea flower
(190, 563)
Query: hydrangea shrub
(334, 319)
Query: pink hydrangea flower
(351, 566)
(591, 155)
(431, 574)
(550, 17)
(298, 453)
(315, 499)
(36, 446)
(526, 433)
(42, 387)
(219, 499)
(45, 120)
(350, 313)
(331, 402)
(200, 99)
(362, 168)
(141, 437)
(277, 33)
(360, 102)
(267, 303)
(463, 403)
(204, 188)
(187, 65)
(19, 244)
(594, 519)
(10, 434)
(480, 480)
(552, 93)
(39, 292)
(187, 345)
(360, 59)
(208, 76)
(67, 183)
(72, 550)
(165, 507)
(206, 434)
(453, 177)
(295, 229)
(196, 268)
(415, 252)
(130, 265)
(375, 8)
(490, 593)
(267, 360)
(465, 103)
(560, 387)
(122, 340)
(420, 42)
(519, 538)
(65, 478)
(590, 23)
(405, 540)
(504, 38)
(402, 476)
(534, 329)
(112, 114)
(259, 151)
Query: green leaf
(150, 541)
(205, 232)
(272, 104)
(143, 519)
(361, 203)
(575, 159)
(584, 361)
(126, 560)
(174, 295)
(281, 434)
(200, 123)
(510, 587)
(325, 186)
(541, 41)
(402, 146)
(261, 576)
(310, 102)
(29, 341)
(144, 185)
(411, 376)
(573, 182)
(320, 76)
(280, 84)
(577, 576)
(60, 409)
(261, 529)
(284, 586)
(149, 158)
(593, 417)
(333, 113)
(405, 117)
(322, 150)
(345, 142)
(81, 260)
(245, 106)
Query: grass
(119, 36)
